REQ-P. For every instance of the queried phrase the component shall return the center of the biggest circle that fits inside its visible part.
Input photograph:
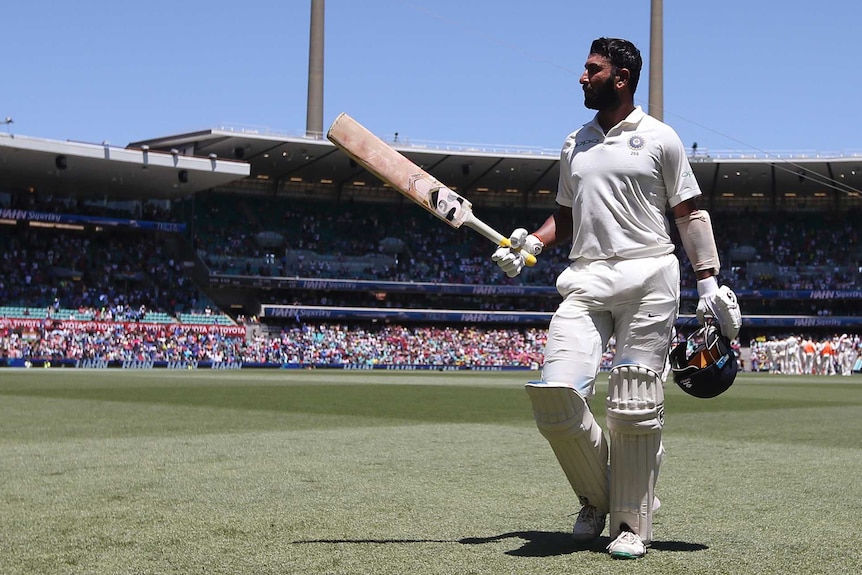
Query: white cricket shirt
(620, 184)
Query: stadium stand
(127, 273)
(191, 276)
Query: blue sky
(769, 76)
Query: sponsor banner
(236, 330)
(300, 313)
(134, 364)
(36, 362)
(835, 294)
(372, 285)
(92, 364)
(421, 367)
(398, 314)
(195, 365)
(803, 321)
(48, 217)
(492, 290)
(222, 365)
(180, 364)
(785, 294)
(49, 323)
(127, 364)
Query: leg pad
(635, 411)
(564, 419)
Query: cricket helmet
(703, 364)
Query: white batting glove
(521, 240)
(511, 260)
(719, 303)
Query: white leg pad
(564, 419)
(635, 411)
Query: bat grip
(529, 258)
(496, 237)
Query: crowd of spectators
(340, 345)
(121, 275)
(793, 251)
(118, 342)
(137, 269)
(125, 272)
(305, 344)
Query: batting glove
(720, 304)
(511, 260)
(521, 240)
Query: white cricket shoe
(589, 524)
(627, 545)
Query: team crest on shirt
(636, 143)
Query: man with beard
(619, 175)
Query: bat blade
(389, 165)
(398, 171)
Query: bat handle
(529, 258)
(496, 237)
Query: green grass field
(325, 472)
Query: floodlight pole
(314, 108)
(656, 60)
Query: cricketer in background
(619, 174)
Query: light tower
(314, 107)
(656, 61)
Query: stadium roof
(83, 169)
(735, 178)
(183, 164)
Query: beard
(602, 98)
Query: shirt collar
(635, 117)
(632, 120)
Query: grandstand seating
(204, 318)
(157, 317)
(25, 312)
(21, 312)
(81, 274)
(793, 251)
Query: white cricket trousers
(635, 300)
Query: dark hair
(622, 54)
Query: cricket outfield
(361, 472)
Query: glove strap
(707, 286)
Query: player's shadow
(551, 543)
(536, 543)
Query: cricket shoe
(627, 545)
(589, 524)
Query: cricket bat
(389, 165)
